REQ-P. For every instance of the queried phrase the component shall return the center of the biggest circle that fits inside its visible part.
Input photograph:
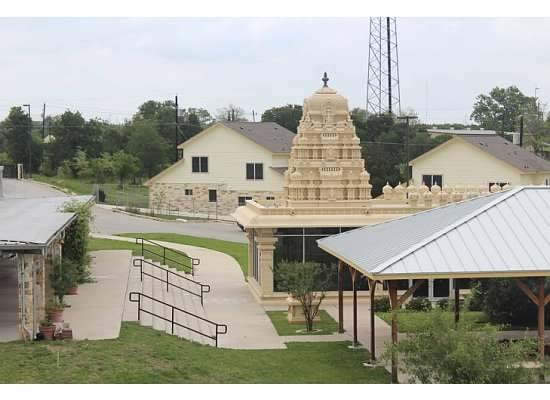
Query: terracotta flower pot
(48, 331)
(73, 290)
(55, 314)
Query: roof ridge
(381, 267)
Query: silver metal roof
(33, 222)
(506, 234)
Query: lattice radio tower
(383, 93)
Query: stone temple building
(327, 191)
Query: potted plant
(47, 328)
(54, 310)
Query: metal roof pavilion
(31, 223)
(505, 234)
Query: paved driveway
(108, 223)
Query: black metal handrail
(188, 268)
(202, 287)
(214, 337)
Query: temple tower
(325, 167)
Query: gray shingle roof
(270, 135)
(508, 152)
(505, 233)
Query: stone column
(251, 244)
(266, 245)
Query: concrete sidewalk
(230, 301)
(96, 312)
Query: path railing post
(172, 320)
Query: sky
(107, 67)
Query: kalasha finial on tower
(325, 80)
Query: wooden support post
(540, 301)
(340, 297)
(354, 282)
(372, 289)
(392, 287)
(457, 300)
(540, 317)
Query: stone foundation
(172, 197)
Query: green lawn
(239, 251)
(327, 325)
(176, 260)
(415, 321)
(130, 196)
(143, 355)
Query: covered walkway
(503, 235)
(8, 300)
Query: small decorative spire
(325, 80)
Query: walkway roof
(32, 223)
(505, 234)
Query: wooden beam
(540, 317)
(457, 300)
(340, 297)
(392, 288)
(547, 299)
(409, 292)
(354, 278)
(372, 290)
(525, 289)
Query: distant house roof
(270, 135)
(501, 234)
(508, 152)
(463, 131)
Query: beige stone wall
(171, 196)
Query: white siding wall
(462, 164)
(227, 152)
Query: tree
(505, 303)
(125, 166)
(149, 148)
(539, 131)
(501, 109)
(444, 353)
(69, 130)
(306, 282)
(231, 113)
(288, 116)
(101, 169)
(17, 137)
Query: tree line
(141, 147)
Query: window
(180, 154)
(189, 192)
(212, 196)
(430, 180)
(243, 199)
(199, 164)
(254, 171)
(270, 198)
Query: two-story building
(481, 161)
(222, 167)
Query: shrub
(64, 275)
(382, 304)
(443, 353)
(77, 233)
(419, 304)
(505, 303)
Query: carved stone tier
(325, 166)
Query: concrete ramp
(96, 312)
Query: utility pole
(43, 122)
(407, 118)
(253, 116)
(521, 131)
(29, 142)
(176, 131)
